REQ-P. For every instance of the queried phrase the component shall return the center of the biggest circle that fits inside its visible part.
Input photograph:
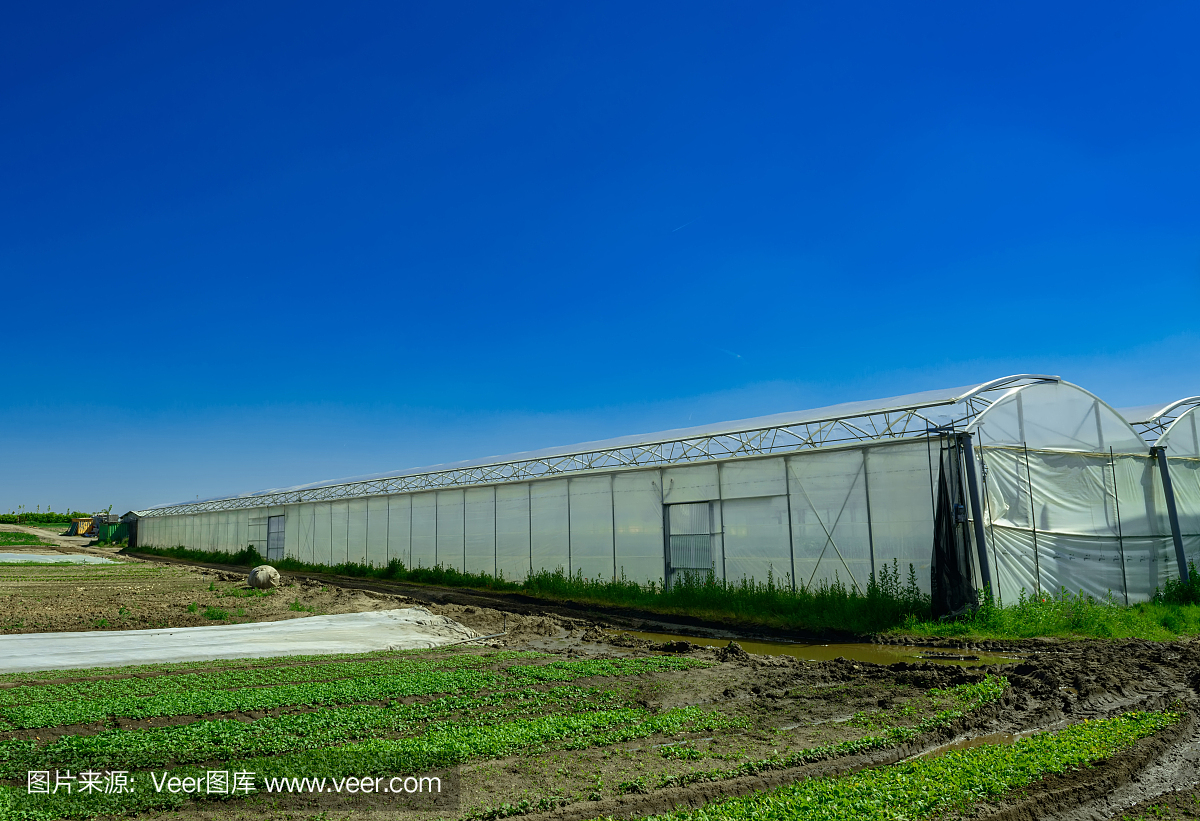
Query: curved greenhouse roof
(1056, 416)
(1152, 420)
(889, 418)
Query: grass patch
(326, 686)
(886, 605)
(1071, 615)
(8, 539)
(948, 783)
(885, 602)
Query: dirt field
(773, 706)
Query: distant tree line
(22, 516)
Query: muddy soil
(786, 703)
(131, 595)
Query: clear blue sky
(250, 244)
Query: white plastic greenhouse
(1045, 486)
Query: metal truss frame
(1153, 428)
(897, 423)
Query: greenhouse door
(275, 526)
(689, 539)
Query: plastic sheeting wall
(829, 518)
(638, 513)
(424, 530)
(550, 525)
(1060, 511)
(513, 543)
(450, 512)
(1182, 443)
(1085, 522)
(480, 521)
(800, 520)
(591, 519)
(1072, 498)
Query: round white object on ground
(264, 577)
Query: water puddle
(873, 653)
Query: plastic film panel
(1182, 438)
(480, 530)
(243, 530)
(291, 532)
(758, 477)
(450, 543)
(756, 540)
(1143, 505)
(356, 531)
(424, 529)
(1091, 565)
(305, 527)
(1149, 562)
(377, 531)
(323, 533)
(691, 483)
(512, 531)
(340, 519)
(1015, 571)
(1056, 416)
(638, 508)
(400, 528)
(1185, 480)
(550, 525)
(902, 507)
(1090, 516)
(829, 518)
(224, 539)
(592, 526)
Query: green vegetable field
(509, 732)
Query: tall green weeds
(828, 607)
(887, 604)
(1067, 615)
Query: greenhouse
(1022, 483)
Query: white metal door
(689, 540)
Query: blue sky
(258, 244)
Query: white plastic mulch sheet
(405, 629)
(56, 558)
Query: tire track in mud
(1055, 685)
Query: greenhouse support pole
(1169, 493)
(985, 569)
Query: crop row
(417, 681)
(230, 679)
(223, 740)
(586, 668)
(444, 745)
(307, 694)
(949, 783)
(968, 697)
(37, 678)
